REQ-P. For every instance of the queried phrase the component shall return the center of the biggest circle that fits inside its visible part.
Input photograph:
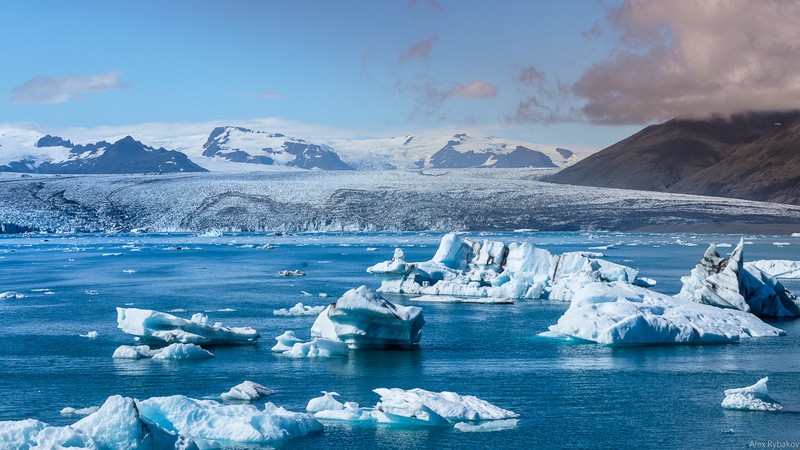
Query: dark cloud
(694, 59)
(43, 89)
(418, 50)
(530, 75)
(429, 95)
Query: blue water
(576, 396)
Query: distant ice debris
(456, 299)
(372, 249)
(246, 391)
(128, 271)
(363, 319)
(70, 411)
(210, 234)
(414, 407)
(777, 268)
(622, 314)
(90, 335)
(300, 310)
(465, 268)
(158, 326)
(92, 292)
(11, 295)
(730, 283)
(112, 254)
(483, 427)
(306, 294)
(781, 244)
(291, 273)
(172, 352)
(751, 398)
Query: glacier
(462, 267)
(152, 325)
(751, 398)
(363, 319)
(623, 314)
(732, 283)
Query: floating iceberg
(286, 341)
(363, 319)
(11, 295)
(751, 398)
(777, 268)
(158, 326)
(318, 347)
(226, 425)
(415, 407)
(90, 335)
(246, 391)
(494, 425)
(170, 352)
(729, 283)
(622, 314)
(291, 273)
(176, 422)
(299, 310)
(462, 267)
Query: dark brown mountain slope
(754, 156)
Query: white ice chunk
(622, 314)
(751, 398)
(247, 391)
(318, 347)
(363, 319)
(70, 411)
(299, 310)
(325, 403)
(158, 326)
(11, 295)
(170, 352)
(777, 268)
(448, 405)
(133, 352)
(239, 424)
(286, 341)
(492, 425)
(90, 335)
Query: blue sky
(510, 68)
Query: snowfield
(459, 199)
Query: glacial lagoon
(566, 394)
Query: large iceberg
(751, 398)
(622, 314)
(414, 407)
(730, 283)
(466, 268)
(777, 268)
(158, 326)
(363, 319)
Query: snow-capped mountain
(242, 145)
(457, 151)
(209, 146)
(55, 155)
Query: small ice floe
(724, 245)
(246, 391)
(286, 341)
(128, 271)
(415, 408)
(177, 310)
(210, 234)
(361, 318)
(112, 254)
(685, 243)
(71, 412)
(11, 295)
(482, 427)
(158, 326)
(224, 310)
(92, 292)
(247, 246)
(90, 335)
(751, 398)
(322, 295)
(291, 273)
(265, 247)
(372, 249)
(603, 247)
(172, 352)
(306, 294)
(299, 310)
(781, 244)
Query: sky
(578, 72)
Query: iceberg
(170, 352)
(462, 268)
(622, 314)
(158, 326)
(328, 408)
(90, 335)
(286, 341)
(318, 347)
(776, 268)
(246, 391)
(363, 319)
(11, 295)
(225, 425)
(299, 310)
(494, 425)
(751, 398)
(730, 283)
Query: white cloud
(43, 89)
(474, 89)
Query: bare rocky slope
(752, 156)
